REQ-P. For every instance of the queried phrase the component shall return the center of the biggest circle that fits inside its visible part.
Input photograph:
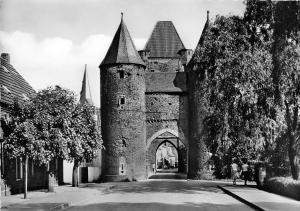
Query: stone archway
(156, 140)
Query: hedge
(284, 186)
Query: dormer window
(122, 74)
(24, 96)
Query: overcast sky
(50, 40)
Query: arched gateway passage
(166, 151)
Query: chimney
(186, 55)
(144, 54)
(5, 57)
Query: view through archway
(166, 158)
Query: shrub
(283, 186)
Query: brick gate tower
(122, 73)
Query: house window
(122, 74)
(19, 168)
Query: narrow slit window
(122, 168)
(122, 74)
(122, 100)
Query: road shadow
(161, 206)
(163, 186)
(168, 176)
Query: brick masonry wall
(167, 111)
(123, 126)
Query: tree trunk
(25, 176)
(51, 179)
(75, 182)
(293, 162)
(292, 156)
(291, 128)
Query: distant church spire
(85, 94)
(122, 49)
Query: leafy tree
(68, 128)
(249, 71)
(286, 73)
(55, 127)
(86, 141)
(23, 142)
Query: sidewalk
(259, 199)
(63, 197)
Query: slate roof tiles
(164, 41)
(14, 82)
(122, 49)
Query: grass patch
(284, 186)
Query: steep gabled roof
(164, 41)
(18, 87)
(196, 54)
(122, 49)
(85, 94)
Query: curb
(250, 204)
(59, 207)
(55, 208)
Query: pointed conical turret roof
(122, 49)
(164, 41)
(85, 94)
(195, 57)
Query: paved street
(160, 195)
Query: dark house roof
(85, 94)
(122, 49)
(164, 41)
(13, 85)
